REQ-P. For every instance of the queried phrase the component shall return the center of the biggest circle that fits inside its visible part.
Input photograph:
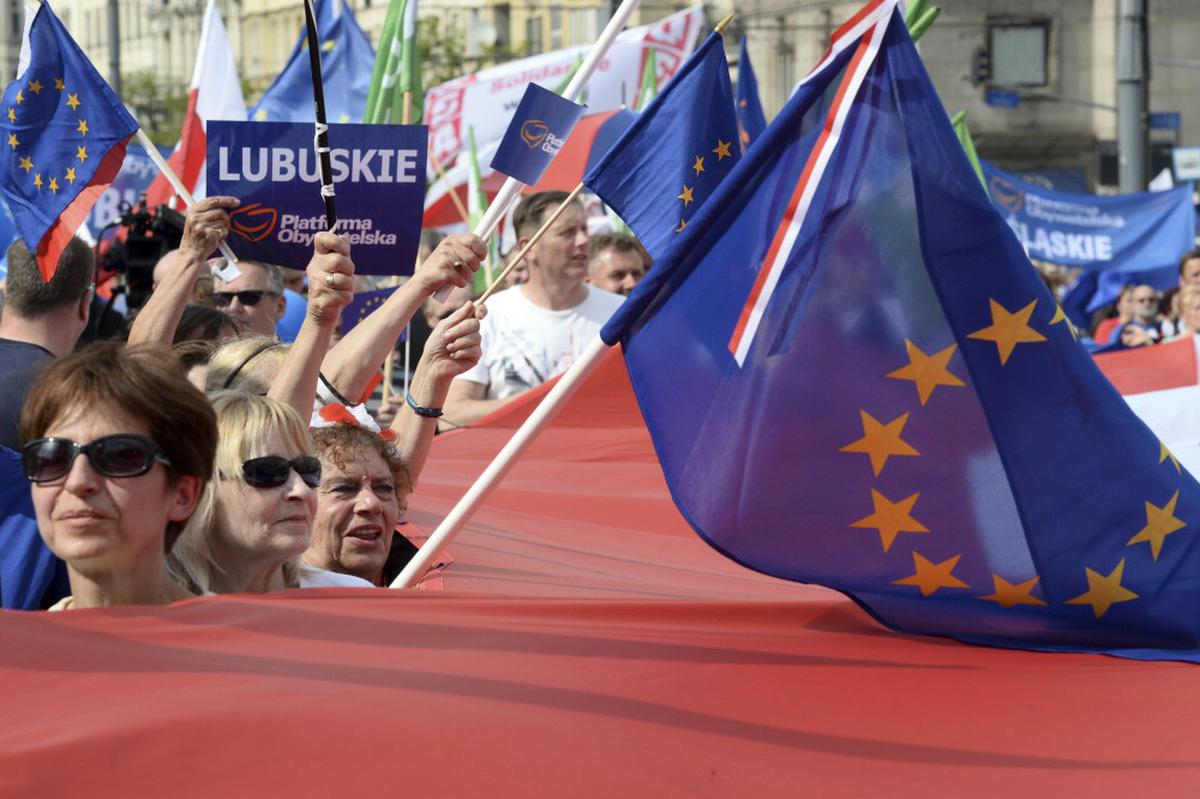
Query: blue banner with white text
(272, 167)
(538, 130)
(1123, 233)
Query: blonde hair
(1184, 298)
(244, 423)
(246, 363)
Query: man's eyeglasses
(272, 471)
(247, 298)
(122, 455)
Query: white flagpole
(584, 365)
(510, 192)
(230, 272)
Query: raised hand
(330, 277)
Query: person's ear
(188, 489)
(282, 307)
(85, 307)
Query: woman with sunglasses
(255, 517)
(118, 447)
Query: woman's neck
(147, 586)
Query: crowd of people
(200, 454)
(1143, 315)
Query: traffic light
(981, 67)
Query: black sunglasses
(121, 455)
(221, 299)
(272, 471)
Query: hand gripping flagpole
(322, 128)
(511, 190)
(230, 272)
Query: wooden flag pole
(462, 210)
(520, 256)
(183, 193)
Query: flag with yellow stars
(853, 376)
(752, 121)
(347, 62)
(362, 306)
(671, 160)
(64, 134)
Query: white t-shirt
(312, 577)
(524, 345)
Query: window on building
(533, 35)
(1019, 53)
(503, 17)
(585, 25)
(556, 28)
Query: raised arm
(207, 223)
(330, 289)
(352, 362)
(452, 348)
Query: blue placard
(538, 130)
(1166, 120)
(1001, 99)
(378, 171)
(136, 175)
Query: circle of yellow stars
(25, 163)
(882, 441)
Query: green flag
(477, 205)
(649, 86)
(396, 69)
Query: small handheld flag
(64, 134)
(538, 130)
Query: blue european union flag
(537, 131)
(660, 172)
(347, 60)
(853, 376)
(64, 134)
(751, 119)
(363, 305)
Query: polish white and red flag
(216, 93)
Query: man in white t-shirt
(536, 330)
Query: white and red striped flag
(216, 93)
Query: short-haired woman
(118, 447)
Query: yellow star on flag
(698, 167)
(927, 371)
(891, 518)
(1061, 316)
(682, 225)
(881, 441)
(12, 140)
(929, 576)
(36, 87)
(73, 101)
(1165, 453)
(686, 196)
(12, 115)
(1008, 595)
(1104, 591)
(83, 128)
(260, 115)
(1007, 330)
(53, 185)
(20, 97)
(70, 177)
(722, 150)
(328, 45)
(58, 84)
(37, 179)
(1160, 523)
(81, 153)
(26, 163)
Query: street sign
(1166, 120)
(1001, 99)
(1186, 161)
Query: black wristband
(428, 413)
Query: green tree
(158, 104)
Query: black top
(20, 364)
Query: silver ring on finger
(329, 279)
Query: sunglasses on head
(272, 471)
(121, 455)
(248, 298)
